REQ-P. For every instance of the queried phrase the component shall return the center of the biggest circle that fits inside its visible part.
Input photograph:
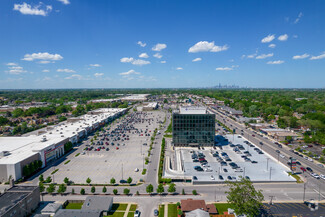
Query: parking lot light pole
(267, 164)
(270, 172)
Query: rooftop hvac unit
(43, 139)
(62, 135)
(50, 132)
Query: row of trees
(31, 168)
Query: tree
(93, 189)
(160, 189)
(180, 212)
(112, 181)
(41, 178)
(183, 191)
(171, 188)
(72, 191)
(82, 191)
(126, 191)
(41, 187)
(149, 189)
(129, 180)
(88, 180)
(115, 191)
(48, 179)
(66, 180)
(50, 189)
(244, 198)
(194, 192)
(137, 193)
(62, 188)
(104, 190)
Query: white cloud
(276, 62)
(143, 55)
(268, 39)
(297, 57)
(163, 61)
(126, 59)
(272, 46)
(74, 76)
(42, 56)
(142, 44)
(179, 68)
(283, 37)
(66, 70)
(65, 2)
(11, 64)
(46, 70)
(95, 65)
(140, 62)
(130, 72)
(322, 56)
(298, 18)
(251, 56)
(205, 46)
(97, 75)
(159, 47)
(157, 55)
(27, 9)
(44, 62)
(197, 59)
(263, 56)
(224, 68)
(16, 70)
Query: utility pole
(267, 164)
(271, 198)
(303, 199)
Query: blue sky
(145, 44)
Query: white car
(212, 178)
(137, 213)
(281, 155)
(316, 176)
(136, 170)
(322, 176)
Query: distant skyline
(161, 44)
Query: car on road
(229, 178)
(220, 177)
(194, 178)
(277, 151)
(155, 212)
(137, 213)
(309, 169)
(315, 175)
(303, 169)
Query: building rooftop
(192, 110)
(13, 196)
(98, 203)
(190, 205)
(77, 213)
(51, 208)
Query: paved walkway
(166, 210)
(127, 210)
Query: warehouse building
(47, 144)
(150, 106)
(193, 126)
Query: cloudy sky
(165, 43)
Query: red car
(303, 169)
(117, 148)
(253, 135)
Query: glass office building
(193, 126)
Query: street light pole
(267, 164)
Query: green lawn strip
(119, 206)
(77, 154)
(115, 214)
(130, 214)
(172, 210)
(133, 207)
(296, 177)
(161, 210)
(67, 162)
(74, 206)
(54, 171)
(222, 207)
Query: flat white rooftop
(192, 110)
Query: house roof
(190, 205)
(212, 209)
(197, 213)
(98, 203)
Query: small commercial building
(98, 203)
(150, 106)
(193, 126)
(51, 209)
(19, 201)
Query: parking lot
(118, 152)
(235, 158)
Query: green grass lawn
(161, 211)
(133, 207)
(74, 206)
(115, 214)
(222, 207)
(131, 214)
(119, 206)
(172, 210)
(296, 177)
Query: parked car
(137, 213)
(155, 212)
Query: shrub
(194, 192)
(82, 191)
(126, 191)
(115, 191)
